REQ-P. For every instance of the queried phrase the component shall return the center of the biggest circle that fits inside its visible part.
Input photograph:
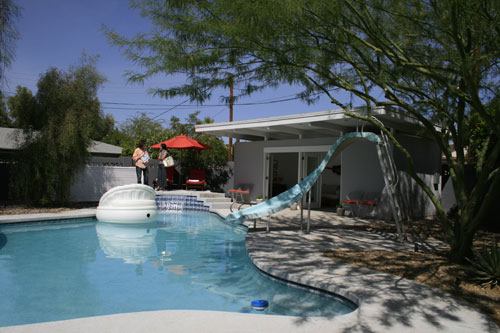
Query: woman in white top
(162, 170)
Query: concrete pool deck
(386, 303)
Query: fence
(103, 173)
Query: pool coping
(68, 214)
(377, 295)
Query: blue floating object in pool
(260, 304)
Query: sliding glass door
(309, 163)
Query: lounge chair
(196, 179)
(241, 196)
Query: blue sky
(53, 33)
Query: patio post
(308, 212)
(301, 213)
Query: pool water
(184, 261)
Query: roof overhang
(98, 148)
(308, 125)
(11, 139)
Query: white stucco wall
(248, 166)
(361, 172)
(448, 199)
(415, 202)
(427, 162)
(94, 181)
(361, 169)
(426, 154)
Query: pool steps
(168, 203)
(191, 201)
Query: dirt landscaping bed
(433, 269)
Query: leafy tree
(104, 126)
(481, 136)
(116, 137)
(436, 61)
(58, 125)
(216, 155)
(187, 128)
(4, 115)
(25, 103)
(134, 129)
(9, 13)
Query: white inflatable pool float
(128, 204)
(132, 243)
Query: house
(104, 169)
(11, 140)
(273, 154)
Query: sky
(54, 33)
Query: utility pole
(230, 151)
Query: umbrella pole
(182, 175)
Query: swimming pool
(184, 261)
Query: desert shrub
(486, 266)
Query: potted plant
(259, 199)
(340, 210)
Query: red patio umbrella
(182, 142)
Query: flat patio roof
(308, 125)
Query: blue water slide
(286, 199)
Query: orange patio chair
(196, 179)
(241, 196)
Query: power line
(152, 107)
(127, 90)
(135, 105)
(173, 107)
(157, 105)
(218, 112)
(271, 101)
